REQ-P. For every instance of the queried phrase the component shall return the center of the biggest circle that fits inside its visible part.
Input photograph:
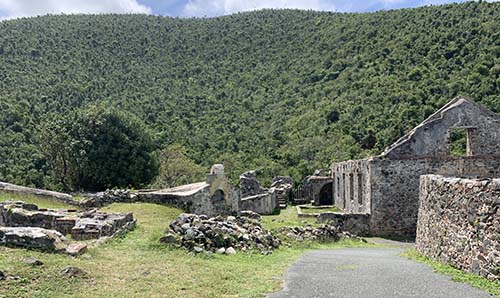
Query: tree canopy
(98, 148)
(281, 91)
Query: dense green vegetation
(97, 148)
(282, 91)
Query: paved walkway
(370, 273)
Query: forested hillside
(282, 91)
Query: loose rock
(309, 233)
(72, 272)
(219, 234)
(33, 261)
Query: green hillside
(283, 91)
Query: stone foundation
(355, 223)
(82, 226)
(459, 223)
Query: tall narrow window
(344, 185)
(351, 188)
(360, 189)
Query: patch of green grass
(492, 287)
(286, 217)
(32, 199)
(319, 210)
(138, 265)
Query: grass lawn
(137, 265)
(319, 210)
(287, 217)
(492, 287)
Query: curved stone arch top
(321, 188)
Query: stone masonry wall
(395, 186)
(459, 223)
(351, 185)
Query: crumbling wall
(395, 187)
(431, 137)
(352, 191)
(459, 223)
(355, 223)
(265, 203)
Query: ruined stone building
(212, 197)
(386, 187)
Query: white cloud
(24, 8)
(222, 7)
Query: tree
(176, 168)
(98, 148)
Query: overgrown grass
(286, 217)
(492, 287)
(32, 199)
(137, 265)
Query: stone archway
(219, 201)
(326, 194)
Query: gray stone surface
(195, 232)
(265, 203)
(249, 185)
(8, 187)
(370, 273)
(355, 223)
(35, 238)
(459, 223)
(82, 226)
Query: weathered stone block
(35, 238)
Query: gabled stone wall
(459, 223)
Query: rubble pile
(222, 235)
(309, 233)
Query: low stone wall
(16, 189)
(355, 223)
(265, 203)
(459, 223)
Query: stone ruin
(222, 235)
(244, 233)
(26, 225)
(262, 200)
(385, 188)
(283, 186)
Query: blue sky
(195, 8)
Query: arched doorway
(218, 200)
(326, 194)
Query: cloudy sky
(199, 8)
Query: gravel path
(368, 272)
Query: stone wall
(431, 137)
(459, 223)
(394, 186)
(355, 223)
(352, 185)
(265, 203)
(22, 190)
